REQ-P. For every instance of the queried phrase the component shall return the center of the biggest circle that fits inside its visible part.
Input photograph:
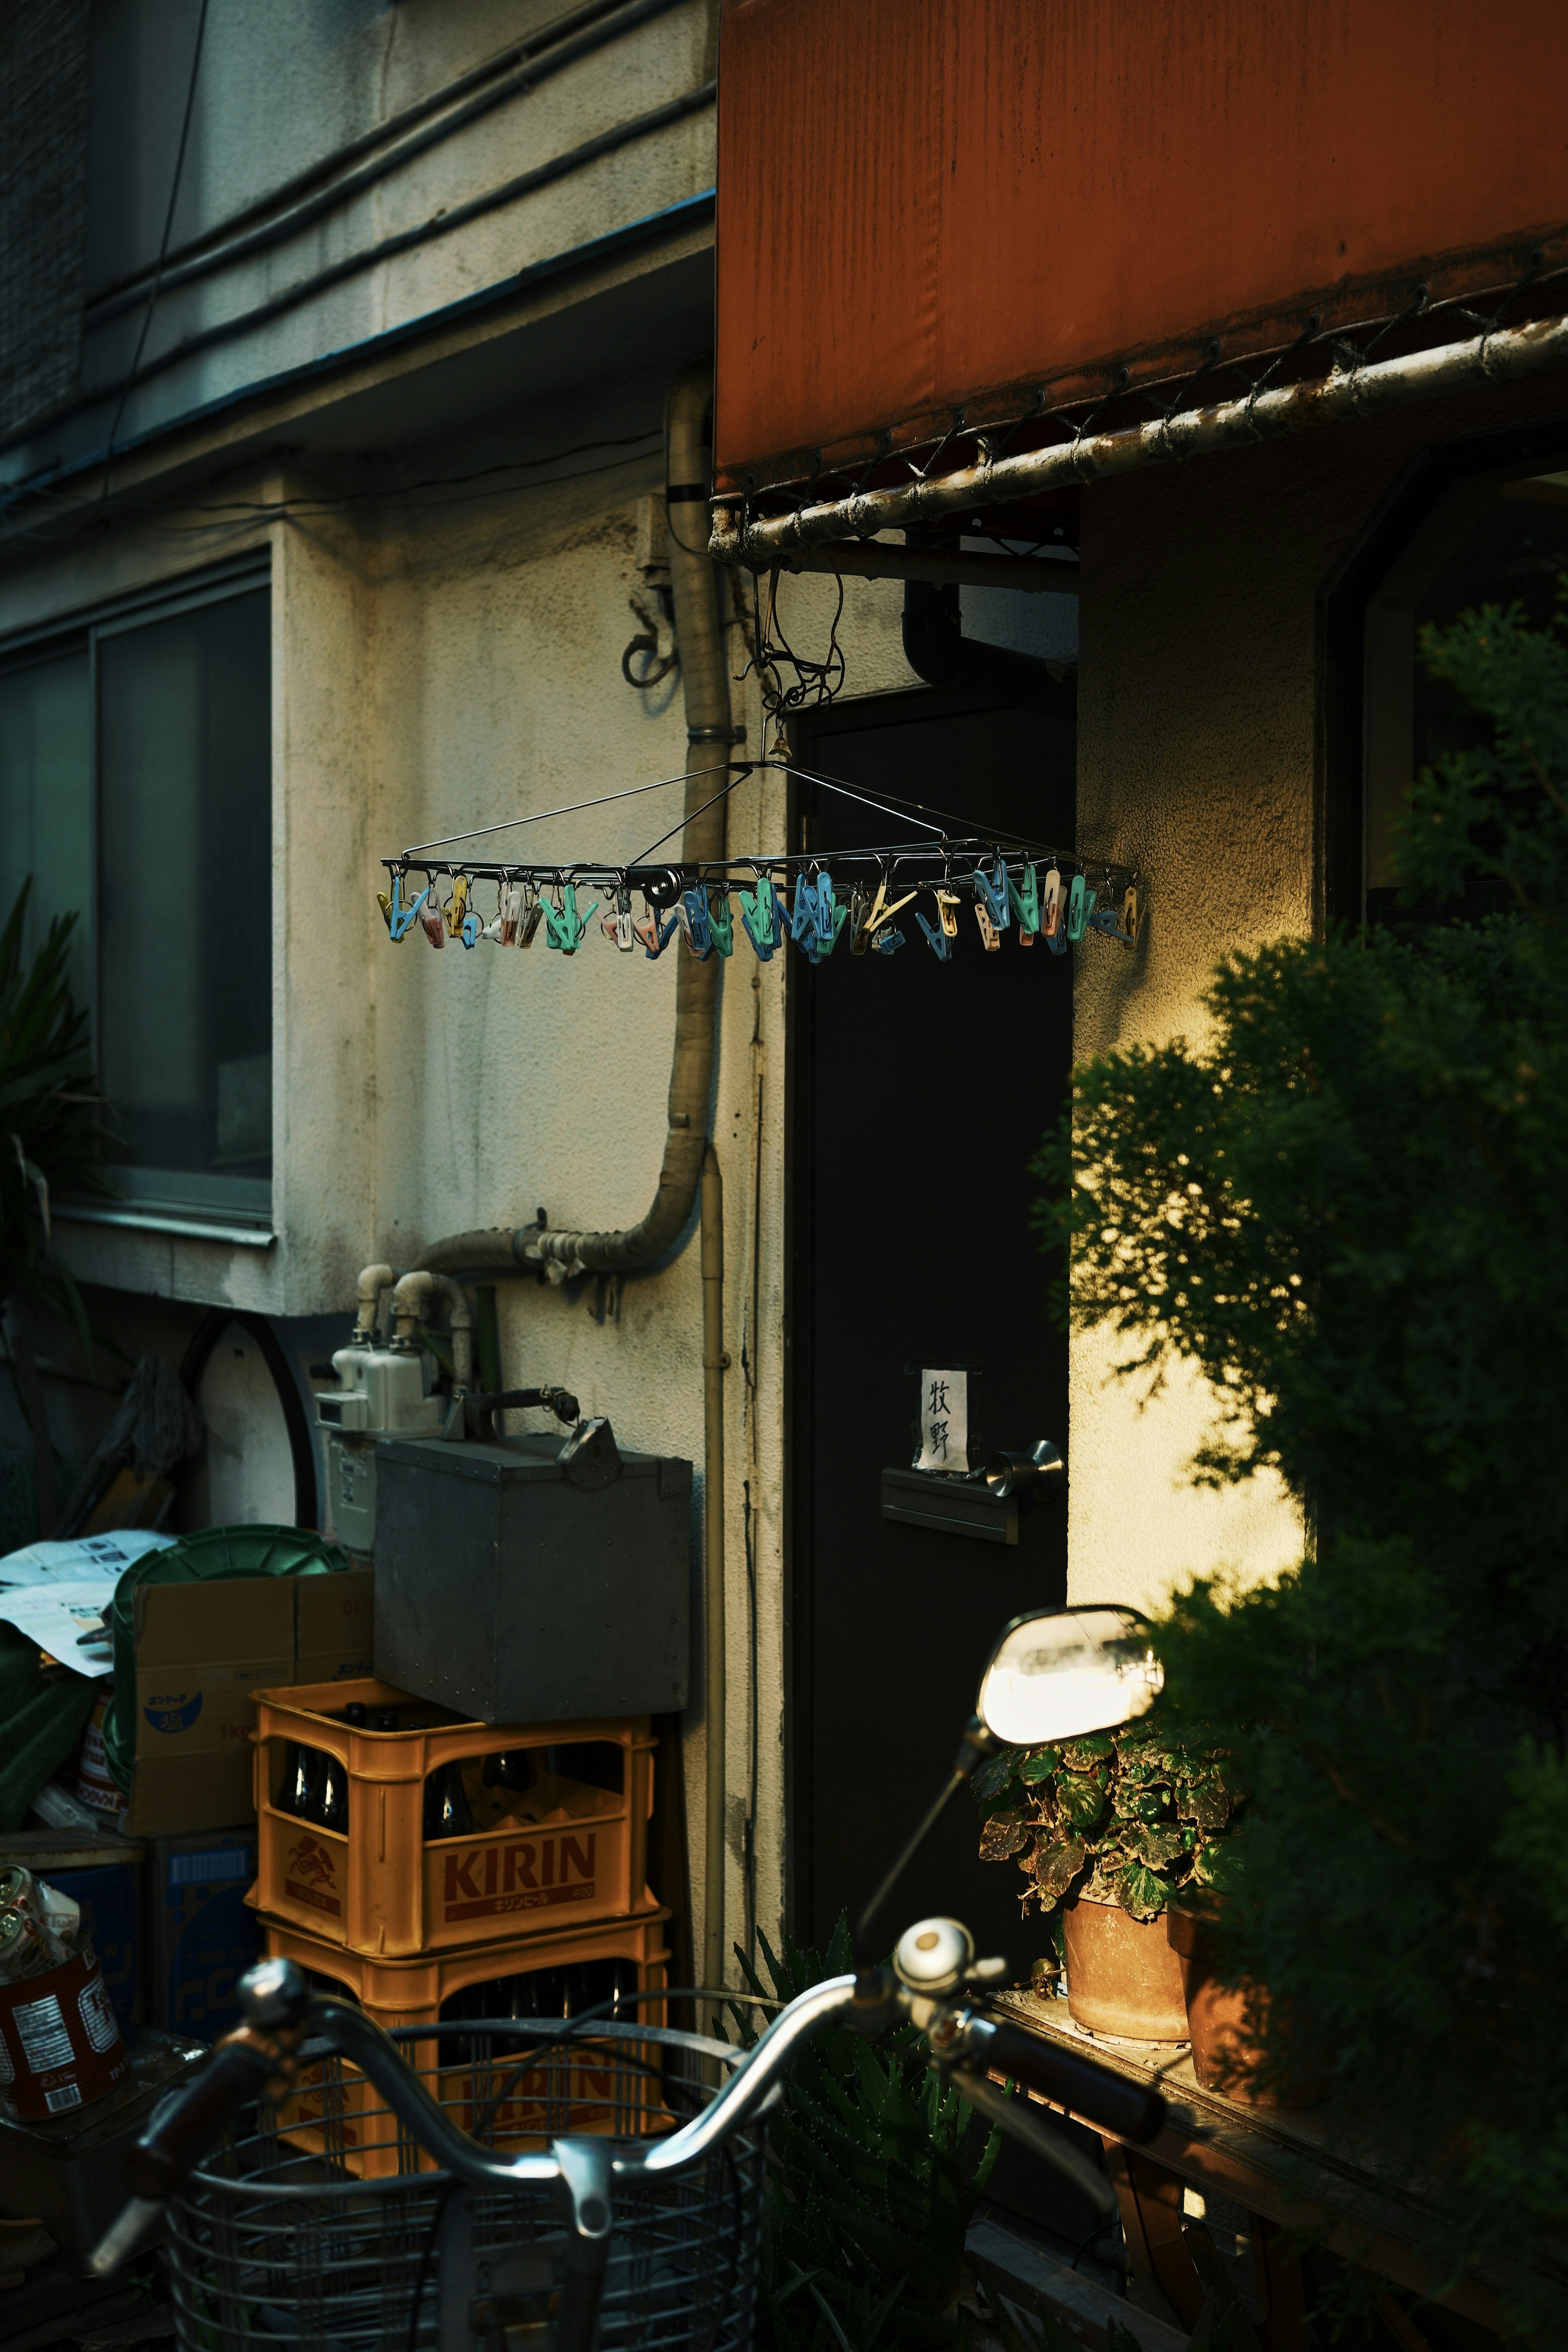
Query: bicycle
(609, 2238)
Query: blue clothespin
(803, 914)
(1023, 897)
(403, 919)
(993, 889)
(694, 923)
(761, 915)
(472, 931)
(722, 923)
(888, 942)
(824, 919)
(937, 939)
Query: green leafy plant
(1346, 1209)
(871, 2185)
(1129, 1817)
(52, 1115)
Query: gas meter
(381, 1392)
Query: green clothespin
(1080, 901)
(563, 926)
(1025, 899)
(722, 923)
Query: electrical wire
(130, 378)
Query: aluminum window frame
(240, 575)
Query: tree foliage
(1347, 1207)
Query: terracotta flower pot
(1122, 1975)
(1222, 2021)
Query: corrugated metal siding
(922, 201)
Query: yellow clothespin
(947, 911)
(456, 906)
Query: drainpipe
(937, 650)
(715, 1364)
(689, 1160)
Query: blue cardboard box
(103, 1874)
(202, 1934)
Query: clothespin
(509, 913)
(939, 938)
(1081, 906)
(456, 906)
(401, 918)
(694, 913)
(889, 942)
(864, 934)
(760, 915)
(655, 936)
(1023, 896)
(991, 937)
(947, 911)
(563, 926)
(992, 890)
(827, 921)
(384, 903)
(803, 914)
(472, 930)
(722, 923)
(433, 921)
(533, 915)
(1123, 926)
(616, 920)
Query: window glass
(185, 901)
(45, 804)
(1493, 541)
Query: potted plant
(1110, 1828)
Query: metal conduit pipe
(411, 1307)
(689, 1157)
(1482, 361)
(373, 1281)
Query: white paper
(944, 1423)
(56, 1614)
(48, 1563)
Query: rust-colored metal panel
(924, 201)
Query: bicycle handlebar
(190, 2123)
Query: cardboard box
(203, 1650)
(202, 1934)
(103, 1874)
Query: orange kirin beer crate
(333, 2112)
(565, 1851)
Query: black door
(920, 1091)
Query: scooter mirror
(1064, 1673)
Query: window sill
(194, 1228)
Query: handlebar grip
(1130, 2110)
(186, 2127)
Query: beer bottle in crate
(446, 1810)
(333, 1796)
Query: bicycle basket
(277, 2246)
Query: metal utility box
(518, 1588)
